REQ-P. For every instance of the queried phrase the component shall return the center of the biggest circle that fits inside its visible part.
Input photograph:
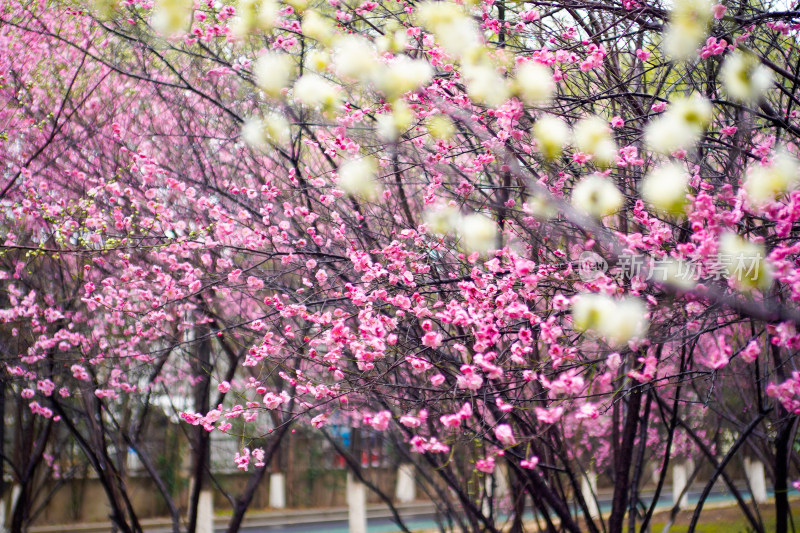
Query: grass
(726, 520)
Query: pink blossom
(234, 275)
(548, 416)
(720, 354)
(451, 421)
(410, 421)
(485, 465)
(259, 455)
(380, 422)
(432, 339)
(587, 410)
(319, 420)
(469, 381)
(713, 47)
(272, 400)
(751, 352)
(242, 459)
(505, 435)
(437, 380)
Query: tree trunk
(622, 463)
(202, 454)
(782, 448)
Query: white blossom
(315, 91)
(745, 79)
(317, 61)
(540, 206)
(588, 310)
(354, 58)
(317, 27)
(276, 127)
(744, 262)
(597, 196)
(273, 72)
(626, 320)
(618, 321)
(257, 132)
(298, 5)
(687, 29)
(391, 125)
(478, 233)
(766, 182)
(551, 135)
(442, 219)
(485, 85)
(665, 188)
(252, 15)
(441, 127)
(455, 31)
(535, 83)
(403, 75)
(253, 133)
(171, 17)
(592, 135)
(681, 126)
(357, 177)
(105, 8)
(394, 38)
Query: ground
(726, 520)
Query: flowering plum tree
(524, 242)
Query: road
(420, 516)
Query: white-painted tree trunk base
(406, 489)
(680, 477)
(205, 512)
(356, 505)
(501, 484)
(4, 516)
(755, 476)
(497, 487)
(589, 490)
(277, 490)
